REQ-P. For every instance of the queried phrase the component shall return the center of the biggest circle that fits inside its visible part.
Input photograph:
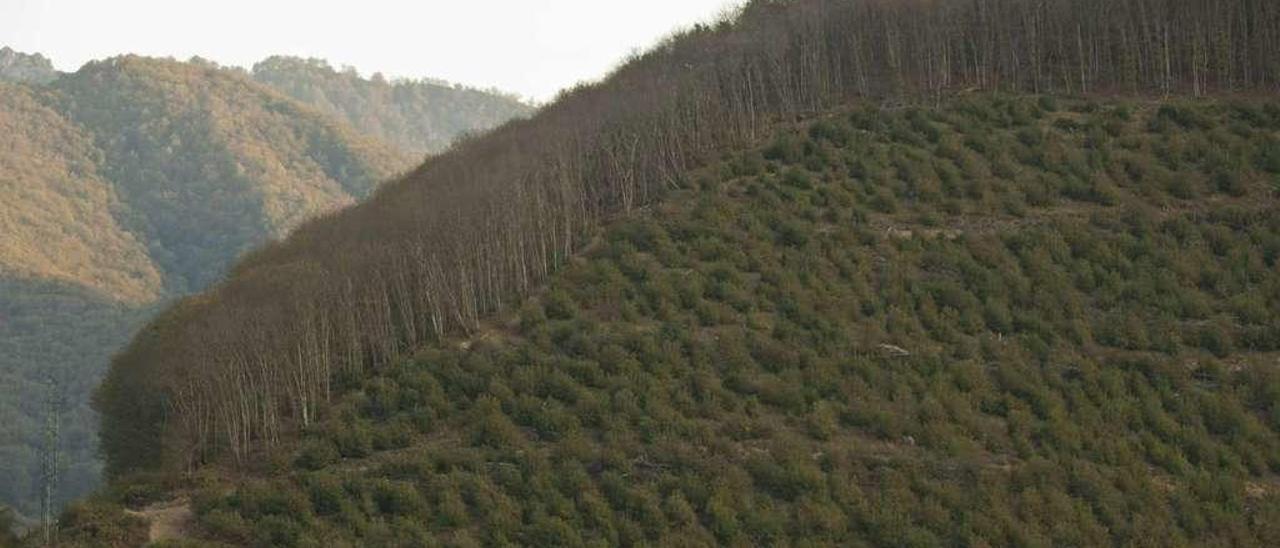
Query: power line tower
(49, 460)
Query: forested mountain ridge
(692, 378)
(210, 164)
(21, 67)
(135, 180)
(418, 116)
(126, 183)
(58, 211)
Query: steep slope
(480, 226)
(209, 164)
(125, 184)
(997, 322)
(418, 116)
(67, 333)
(58, 212)
(340, 332)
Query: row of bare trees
(236, 369)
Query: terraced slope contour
(999, 321)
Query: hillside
(21, 67)
(999, 321)
(65, 332)
(417, 116)
(802, 275)
(209, 164)
(136, 180)
(127, 183)
(58, 212)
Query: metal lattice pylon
(49, 461)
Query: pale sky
(529, 47)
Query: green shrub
(999, 353)
(398, 499)
(352, 438)
(316, 454)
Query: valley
(129, 183)
(813, 273)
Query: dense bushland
(1001, 321)
(241, 367)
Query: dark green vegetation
(125, 184)
(474, 230)
(417, 116)
(1000, 322)
(993, 321)
(8, 525)
(63, 332)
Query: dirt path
(169, 520)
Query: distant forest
(418, 116)
(133, 181)
(22, 67)
(913, 273)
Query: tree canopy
(1000, 321)
(127, 183)
(418, 116)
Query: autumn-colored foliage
(125, 184)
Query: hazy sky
(530, 47)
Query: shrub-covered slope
(994, 322)
(235, 376)
(252, 362)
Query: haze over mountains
(824, 272)
(16, 66)
(135, 180)
(817, 273)
(419, 116)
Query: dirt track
(169, 520)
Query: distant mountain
(823, 273)
(27, 68)
(419, 116)
(128, 183)
(58, 214)
(208, 163)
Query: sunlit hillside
(819, 272)
(128, 183)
